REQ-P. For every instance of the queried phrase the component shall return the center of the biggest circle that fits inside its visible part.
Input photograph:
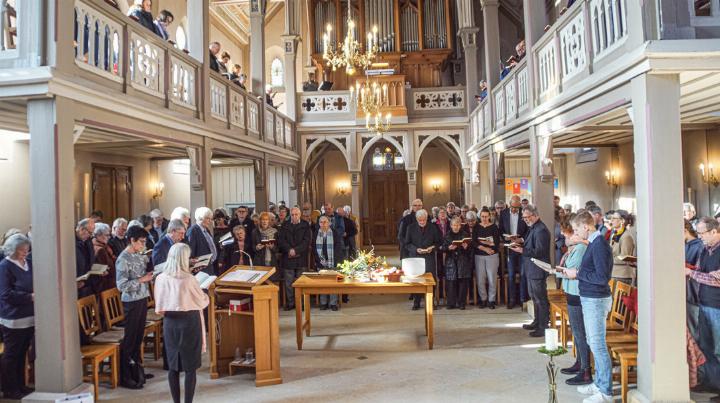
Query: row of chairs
(105, 332)
(622, 331)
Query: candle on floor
(551, 339)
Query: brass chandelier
(349, 54)
(370, 98)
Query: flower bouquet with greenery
(363, 265)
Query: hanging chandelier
(349, 54)
(370, 98)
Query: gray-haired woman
(17, 320)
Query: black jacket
(161, 249)
(232, 255)
(84, 258)
(403, 226)
(259, 255)
(338, 249)
(537, 245)
(416, 237)
(117, 245)
(214, 65)
(294, 236)
(199, 247)
(248, 224)
(158, 234)
(459, 263)
(143, 18)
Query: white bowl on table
(413, 267)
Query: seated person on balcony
(214, 50)
(141, 12)
(310, 84)
(224, 63)
(164, 19)
(520, 51)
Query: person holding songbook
(458, 264)
(422, 240)
(265, 244)
(201, 238)
(596, 300)
(486, 243)
(235, 249)
(104, 256)
(571, 259)
(179, 298)
(132, 281)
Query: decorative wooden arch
(390, 139)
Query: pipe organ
(414, 37)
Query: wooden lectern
(254, 327)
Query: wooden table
(306, 286)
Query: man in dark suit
(511, 223)
(212, 56)
(423, 240)
(201, 240)
(294, 242)
(84, 256)
(118, 242)
(160, 224)
(536, 245)
(175, 233)
(405, 223)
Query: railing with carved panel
(325, 106)
(511, 96)
(109, 46)
(442, 101)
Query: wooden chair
(114, 315)
(618, 317)
(94, 354)
(153, 338)
(627, 357)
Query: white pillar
(497, 175)
(198, 25)
(542, 180)
(491, 35)
(52, 163)
(468, 36)
(290, 77)
(535, 18)
(662, 361)
(262, 194)
(412, 185)
(200, 178)
(257, 49)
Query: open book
(95, 270)
(626, 258)
(512, 245)
(244, 276)
(268, 242)
(201, 261)
(205, 280)
(462, 241)
(487, 239)
(546, 266)
(226, 237)
(427, 250)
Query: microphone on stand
(249, 257)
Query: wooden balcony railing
(110, 47)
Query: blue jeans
(595, 311)
(330, 300)
(514, 267)
(579, 339)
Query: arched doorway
(386, 193)
(327, 178)
(440, 174)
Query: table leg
(307, 314)
(298, 317)
(429, 316)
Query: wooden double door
(112, 191)
(387, 194)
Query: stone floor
(374, 349)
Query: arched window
(276, 73)
(180, 38)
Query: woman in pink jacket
(179, 298)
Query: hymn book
(95, 270)
(630, 259)
(200, 262)
(225, 237)
(547, 267)
(462, 241)
(428, 249)
(205, 280)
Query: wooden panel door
(387, 198)
(112, 191)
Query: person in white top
(179, 298)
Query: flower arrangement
(363, 265)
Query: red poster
(516, 188)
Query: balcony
(115, 53)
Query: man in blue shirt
(596, 300)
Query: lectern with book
(243, 328)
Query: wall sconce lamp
(157, 189)
(708, 176)
(435, 184)
(612, 177)
(342, 188)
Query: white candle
(551, 339)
